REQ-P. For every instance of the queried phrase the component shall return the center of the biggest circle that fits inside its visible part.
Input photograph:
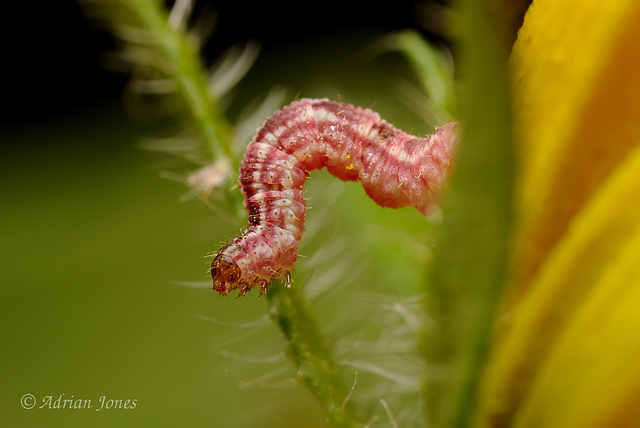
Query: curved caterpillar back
(396, 169)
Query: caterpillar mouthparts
(396, 169)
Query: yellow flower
(567, 352)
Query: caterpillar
(396, 169)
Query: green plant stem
(311, 353)
(169, 52)
(434, 73)
(181, 62)
(470, 264)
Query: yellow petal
(591, 375)
(577, 86)
(577, 75)
(595, 265)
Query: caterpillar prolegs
(396, 169)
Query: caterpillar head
(226, 275)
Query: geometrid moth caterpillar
(395, 168)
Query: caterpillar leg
(287, 278)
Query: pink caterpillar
(395, 168)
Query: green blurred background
(96, 247)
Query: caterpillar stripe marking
(396, 169)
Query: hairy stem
(167, 49)
(180, 57)
(186, 70)
(311, 353)
(470, 264)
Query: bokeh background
(99, 256)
